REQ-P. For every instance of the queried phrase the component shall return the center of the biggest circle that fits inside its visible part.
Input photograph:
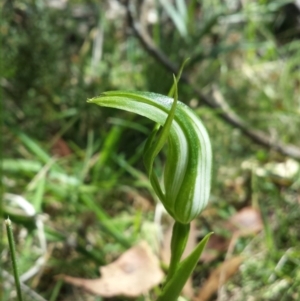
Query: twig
(215, 100)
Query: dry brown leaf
(135, 272)
(218, 277)
(245, 222)
(216, 244)
(60, 148)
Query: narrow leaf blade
(174, 287)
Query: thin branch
(215, 100)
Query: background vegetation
(80, 166)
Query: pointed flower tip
(96, 99)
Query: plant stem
(13, 257)
(180, 236)
(174, 286)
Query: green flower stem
(187, 172)
(178, 243)
(174, 286)
(13, 257)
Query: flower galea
(187, 173)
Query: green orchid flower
(187, 173)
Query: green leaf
(174, 286)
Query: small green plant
(187, 172)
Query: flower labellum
(187, 173)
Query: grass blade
(13, 258)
